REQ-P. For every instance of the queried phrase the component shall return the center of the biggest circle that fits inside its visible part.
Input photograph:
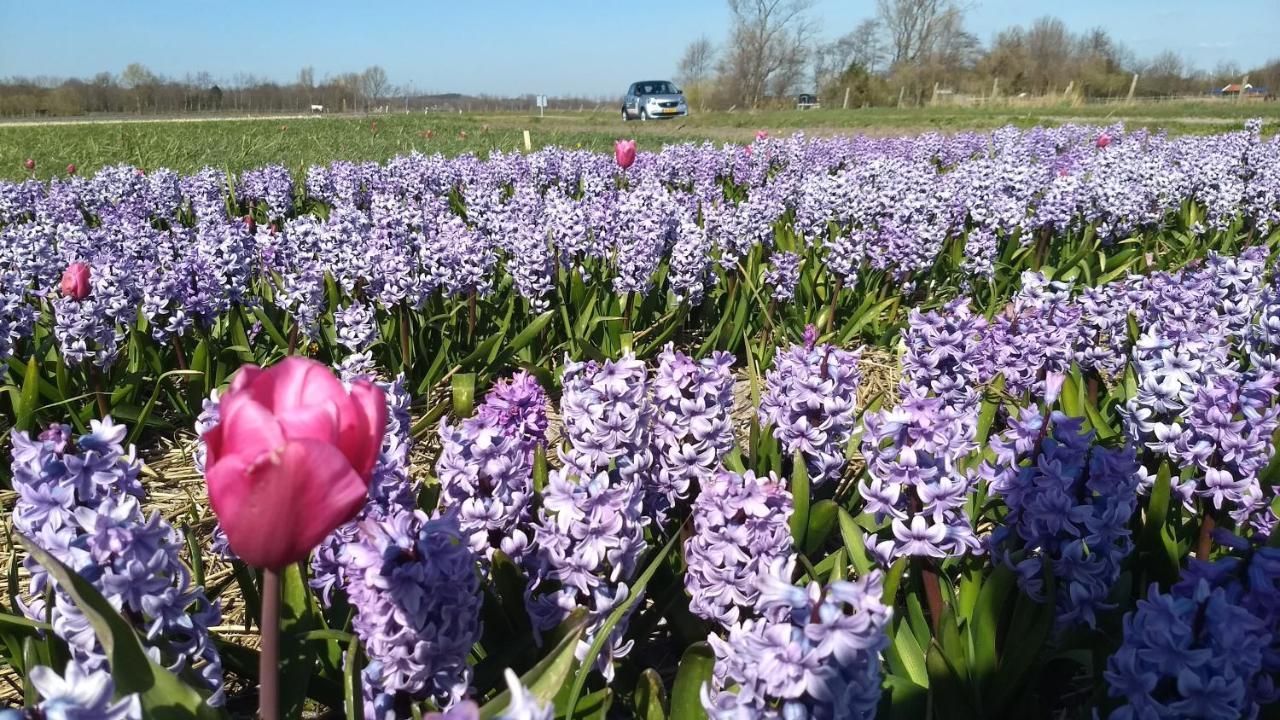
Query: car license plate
(669, 111)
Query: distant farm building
(1234, 90)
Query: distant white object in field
(317, 108)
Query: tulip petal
(276, 508)
(363, 424)
(244, 377)
(297, 381)
(245, 428)
(315, 422)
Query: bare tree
(768, 48)
(374, 84)
(141, 81)
(697, 62)
(1049, 49)
(307, 78)
(915, 27)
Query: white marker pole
(528, 142)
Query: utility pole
(1133, 85)
(846, 97)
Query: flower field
(974, 425)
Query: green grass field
(298, 142)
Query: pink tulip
(762, 135)
(1104, 140)
(624, 151)
(747, 150)
(71, 169)
(75, 281)
(291, 457)
(29, 164)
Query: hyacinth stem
(471, 314)
(404, 336)
(932, 592)
(1042, 249)
(1204, 543)
(103, 409)
(626, 313)
(269, 657)
(831, 310)
(177, 350)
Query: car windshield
(656, 88)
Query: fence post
(1133, 85)
(846, 97)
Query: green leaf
(530, 332)
(540, 471)
(892, 580)
(907, 657)
(546, 679)
(686, 692)
(141, 421)
(163, 695)
(822, 519)
(351, 687)
(464, 394)
(650, 697)
(986, 623)
(29, 397)
(853, 542)
(992, 403)
(298, 617)
(800, 499)
(603, 632)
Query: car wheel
(644, 114)
(625, 117)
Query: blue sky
(507, 47)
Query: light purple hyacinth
(79, 499)
(916, 478)
(1196, 408)
(741, 527)
(690, 261)
(692, 428)
(819, 659)
(810, 401)
(523, 705)
(1070, 501)
(518, 406)
(608, 417)
(1033, 338)
(943, 355)
(356, 326)
(271, 185)
(416, 593)
(77, 694)
(487, 475)
(587, 545)
(782, 275)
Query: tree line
(910, 51)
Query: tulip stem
(269, 657)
